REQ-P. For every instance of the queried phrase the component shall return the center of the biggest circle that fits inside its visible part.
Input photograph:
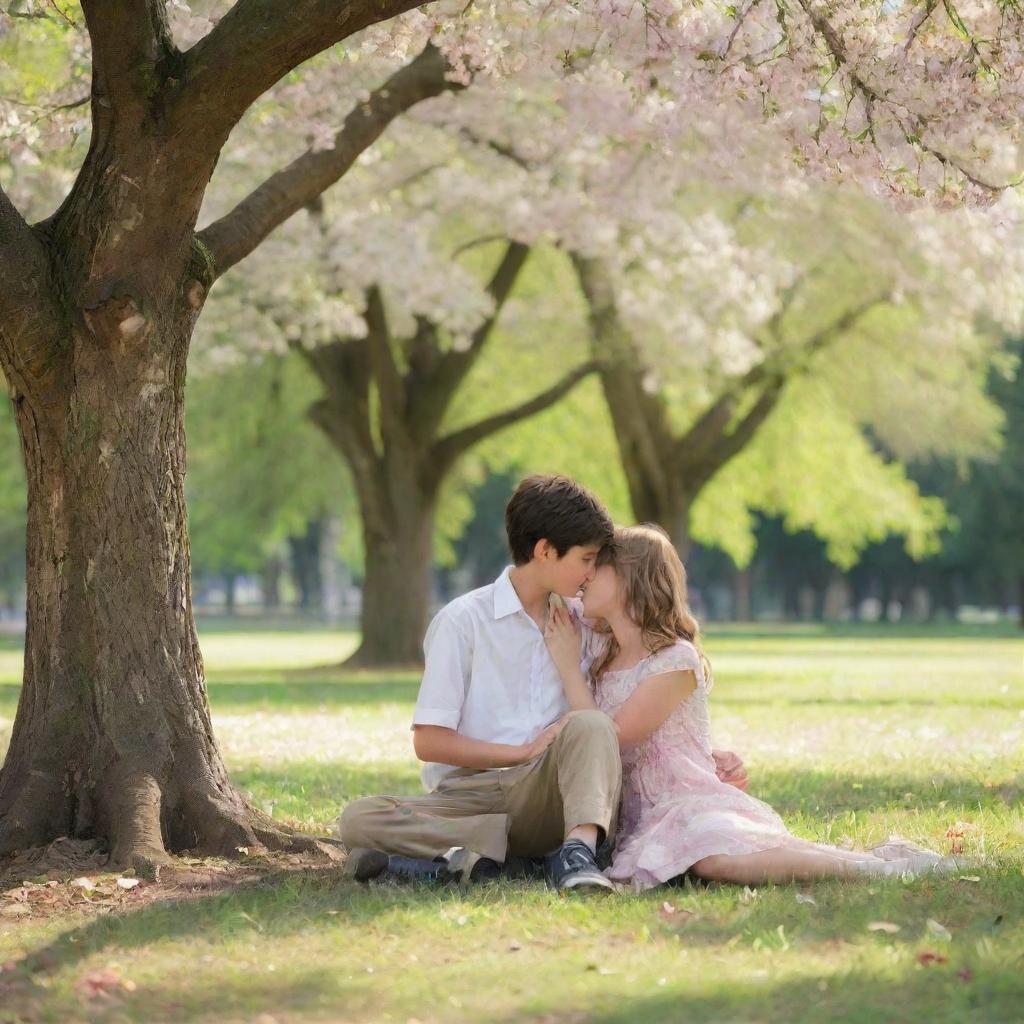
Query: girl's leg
(794, 864)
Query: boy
(509, 771)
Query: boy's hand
(730, 768)
(563, 636)
(537, 746)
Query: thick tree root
(142, 834)
(136, 841)
(38, 813)
(283, 839)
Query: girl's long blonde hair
(654, 588)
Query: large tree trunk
(669, 506)
(112, 736)
(397, 583)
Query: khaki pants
(526, 810)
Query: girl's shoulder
(681, 656)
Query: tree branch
(343, 413)
(920, 17)
(258, 42)
(448, 449)
(390, 385)
(434, 399)
(131, 41)
(642, 427)
(732, 443)
(29, 317)
(708, 444)
(871, 95)
(235, 235)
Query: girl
(650, 676)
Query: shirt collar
(506, 600)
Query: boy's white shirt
(488, 674)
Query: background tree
(425, 308)
(857, 303)
(256, 475)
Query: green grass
(850, 733)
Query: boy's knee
(589, 723)
(354, 826)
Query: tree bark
(113, 734)
(397, 584)
(396, 488)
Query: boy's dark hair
(555, 509)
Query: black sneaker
(524, 868)
(514, 869)
(364, 864)
(572, 868)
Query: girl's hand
(563, 636)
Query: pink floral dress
(675, 811)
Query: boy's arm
(436, 743)
(448, 651)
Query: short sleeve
(448, 657)
(681, 656)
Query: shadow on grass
(324, 788)
(289, 903)
(940, 996)
(722, 698)
(346, 692)
(826, 792)
(822, 794)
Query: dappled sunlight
(355, 737)
(850, 739)
(298, 943)
(231, 652)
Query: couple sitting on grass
(563, 737)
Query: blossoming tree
(101, 295)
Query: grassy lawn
(850, 734)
